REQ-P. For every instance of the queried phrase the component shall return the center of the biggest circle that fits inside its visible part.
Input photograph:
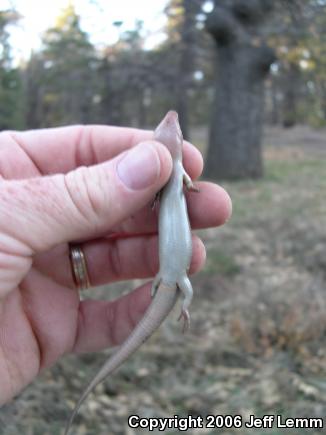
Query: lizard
(175, 250)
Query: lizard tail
(158, 310)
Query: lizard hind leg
(185, 287)
(188, 182)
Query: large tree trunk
(243, 61)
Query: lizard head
(168, 132)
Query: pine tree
(67, 79)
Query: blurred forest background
(248, 79)
(70, 81)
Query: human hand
(81, 183)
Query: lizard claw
(194, 188)
(189, 183)
(186, 320)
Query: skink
(175, 249)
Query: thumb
(40, 213)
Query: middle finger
(109, 260)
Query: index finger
(62, 149)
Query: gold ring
(78, 267)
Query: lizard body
(175, 250)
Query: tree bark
(243, 61)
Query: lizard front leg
(188, 182)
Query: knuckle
(88, 190)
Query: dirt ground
(258, 335)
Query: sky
(97, 19)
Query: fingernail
(140, 167)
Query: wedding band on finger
(78, 266)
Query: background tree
(296, 32)
(318, 57)
(64, 88)
(183, 33)
(243, 62)
(126, 80)
(34, 89)
(11, 113)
